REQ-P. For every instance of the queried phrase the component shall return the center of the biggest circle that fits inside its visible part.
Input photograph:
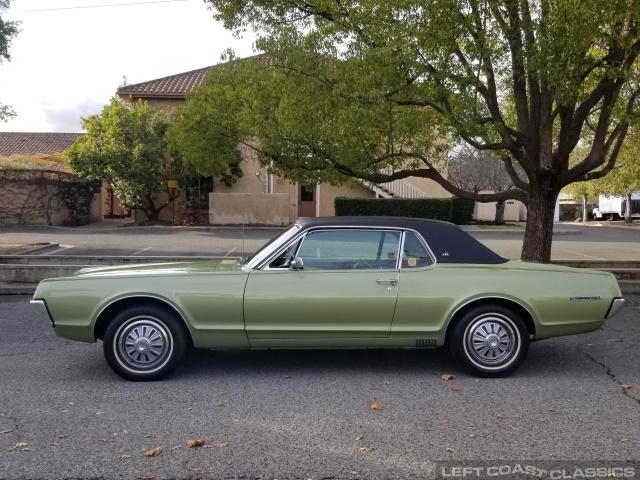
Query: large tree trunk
(538, 233)
(627, 211)
(499, 219)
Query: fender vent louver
(425, 343)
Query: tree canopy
(126, 147)
(8, 31)
(376, 89)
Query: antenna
(242, 240)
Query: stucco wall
(328, 194)
(249, 209)
(514, 211)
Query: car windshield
(282, 237)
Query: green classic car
(340, 282)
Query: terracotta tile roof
(175, 86)
(18, 143)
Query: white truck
(612, 208)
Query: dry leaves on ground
(625, 386)
(502, 417)
(365, 449)
(375, 406)
(447, 376)
(456, 389)
(196, 443)
(146, 476)
(153, 453)
(18, 446)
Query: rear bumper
(616, 305)
(42, 312)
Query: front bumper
(42, 312)
(616, 305)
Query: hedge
(455, 210)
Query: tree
(369, 88)
(624, 179)
(125, 146)
(8, 31)
(472, 170)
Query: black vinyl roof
(447, 241)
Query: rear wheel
(144, 342)
(490, 341)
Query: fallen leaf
(449, 449)
(365, 449)
(196, 470)
(502, 417)
(219, 404)
(5, 431)
(153, 453)
(447, 376)
(177, 447)
(375, 406)
(359, 438)
(124, 455)
(106, 440)
(229, 462)
(147, 476)
(120, 452)
(63, 435)
(125, 432)
(17, 446)
(444, 421)
(55, 444)
(99, 413)
(196, 443)
(456, 389)
(220, 445)
(473, 435)
(625, 386)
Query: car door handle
(392, 282)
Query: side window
(414, 253)
(350, 249)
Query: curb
(40, 250)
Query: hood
(163, 269)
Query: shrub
(455, 210)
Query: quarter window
(414, 253)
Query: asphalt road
(306, 414)
(573, 242)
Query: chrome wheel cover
(491, 341)
(143, 344)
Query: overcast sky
(68, 60)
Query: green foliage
(126, 147)
(455, 210)
(371, 88)
(77, 196)
(8, 31)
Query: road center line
(139, 251)
(583, 255)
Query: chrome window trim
(42, 311)
(263, 265)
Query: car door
(347, 289)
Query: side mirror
(296, 264)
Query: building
(258, 197)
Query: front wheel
(490, 341)
(144, 342)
